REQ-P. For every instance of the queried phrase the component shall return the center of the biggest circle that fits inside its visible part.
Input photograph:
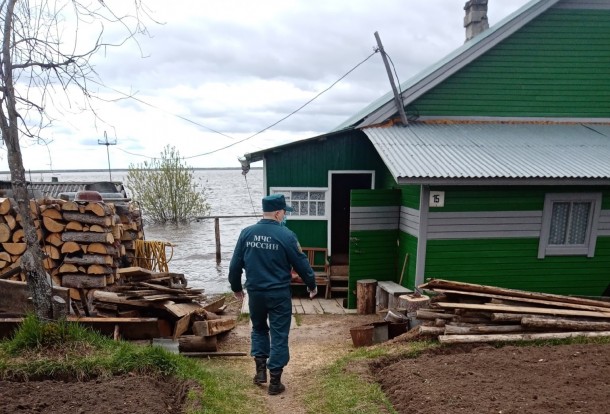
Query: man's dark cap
(275, 202)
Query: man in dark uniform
(268, 251)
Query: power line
(227, 136)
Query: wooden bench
(387, 294)
(318, 260)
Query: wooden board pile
(468, 313)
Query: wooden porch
(316, 306)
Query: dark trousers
(271, 340)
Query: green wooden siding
(372, 255)
(513, 263)
(486, 198)
(410, 196)
(307, 165)
(408, 245)
(555, 66)
(311, 233)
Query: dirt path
(316, 342)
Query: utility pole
(397, 97)
(107, 144)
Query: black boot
(261, 370)
(276, 386)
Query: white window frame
(284, 190)
(585, 249)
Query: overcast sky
(237, 67)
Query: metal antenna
(397, 98)
(106, 143)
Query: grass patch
(340, 391)
(66, 350)
(298, 319)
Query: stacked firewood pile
(469, 313)
(12, 236)
(84, 242)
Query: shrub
(166, 189)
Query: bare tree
(45, 57)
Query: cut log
(193, 343)
(80, 281)
(480, 329)
(5, 205)
(68, 268)
(88, 218)
(465, 339)
(74, 226)
(89, 259)
(70, 206)
(10, 221)
(18, 235)
(51, 251)
(99, 209)
(14, 249)
(53, 226)
(564, 324)
(49, 264)
(49, 211)
(70, 247)
(97, 269)
(427, 314)
(87, 237)
(54, 239)
(213, 327)
(5, 233)
(101, 248)
(365, 296)
(4, 256)
(96, 228)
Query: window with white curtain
(569, 224)
(308, 203)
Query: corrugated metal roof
(383, 108)
(494, 150)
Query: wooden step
(339, 289)
(339, 270)
(339, 278)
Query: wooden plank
(297, 307)
(523, 309)
(181, 326)
(134, 271)
(526, 300)
(470, 287)
(331, 306)
(213, 327)
(564, 324)
(463, 339)
(180, 310)
(15, 297)
(311, 307)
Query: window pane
(321, 209)
(303, 208)
(578, 225)
(312, 208)
(559, 223)
(316, 195)
(299, 195)
(295, 206)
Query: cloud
(238, 66)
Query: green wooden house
(501, 177)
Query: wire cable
(225, 135)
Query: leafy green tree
(166, 189)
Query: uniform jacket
(268, 251)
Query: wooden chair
(318, 260)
